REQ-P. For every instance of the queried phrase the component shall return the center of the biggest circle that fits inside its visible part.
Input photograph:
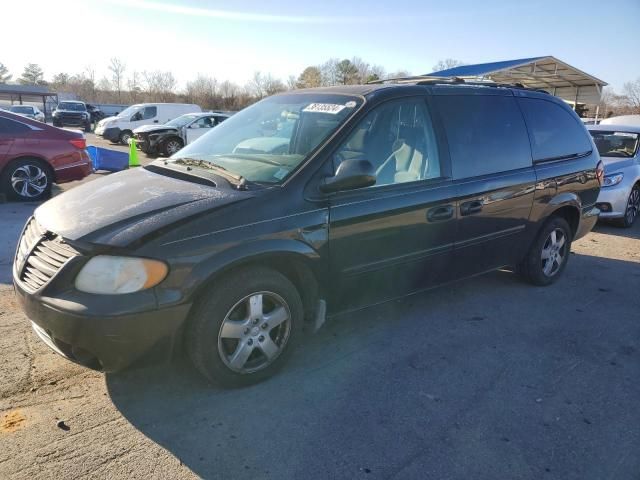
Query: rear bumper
(103, 342)
(75, 171)
(588, 220)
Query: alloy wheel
(554, 252)
(254, 332)
(173, 146)
(29, 181)
(633, 205)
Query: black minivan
(306, 204)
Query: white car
(28, 111)
(120, 128)
(167, 139)
(619, 198)
(622, 120)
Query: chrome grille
(40, 255)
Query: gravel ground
(486, 378)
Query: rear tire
(27, 180)
(245, 327)
(548, 256)
(632, 210)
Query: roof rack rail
(432, 80)
(417, 79)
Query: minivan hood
(125, 206)
(154, 128)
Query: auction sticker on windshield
(332, 108)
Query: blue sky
(231, 40)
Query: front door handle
(469, 208)
(437, 214)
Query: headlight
(111, 275)
(55, 113)
(613, 179)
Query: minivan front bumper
(103, 342)
(110, 133)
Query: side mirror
(351, 174)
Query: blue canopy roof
(480, 69)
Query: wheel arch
(567, 205)
(295, 260)
(36, 157)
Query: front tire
(171, 146)
(245, 328)
(27, 180)
(632, 210)
(549, 254)
(125, 136)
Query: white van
(120, 128)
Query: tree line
(126, 86)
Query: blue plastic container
(110, 160)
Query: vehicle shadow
(610, 229)
(487, 377)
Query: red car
(34, 155)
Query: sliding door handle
(437, 214)
(469, 208)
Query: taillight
(600, 172)
(80, 143)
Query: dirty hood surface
(123, 207)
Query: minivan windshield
(270, 139)
(129, 111)
(615, 144)
(72, 106)
(182, 120)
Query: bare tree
(135, 87)
(117, 68)
(203, 91)
(160, 86)
(291, 82)
(632, 92)
(329, 72)
(446, 64)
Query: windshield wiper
(255, 158)
(238, 180)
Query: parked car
(167, 139)
(28, 111)
(34, 155)
(72, 114)
(95, 113)
(619, 199)
(622, 120)
(383, 191)
(120, 128)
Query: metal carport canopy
(26, 93)
(546, 73)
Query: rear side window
(149, 112)
(9, 127)
(486, 134)
(554, 132)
